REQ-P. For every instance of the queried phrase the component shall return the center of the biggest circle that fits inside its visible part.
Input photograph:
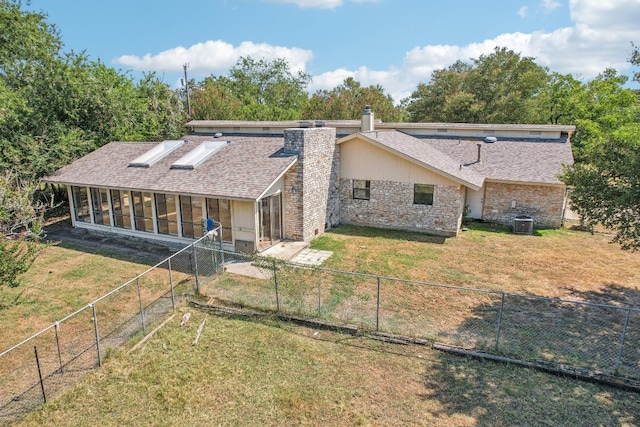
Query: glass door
(270, 221)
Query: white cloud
(522, 12)
(215, 56)
(598, 38)
(550, 5)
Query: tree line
(57, 106)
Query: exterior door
(270, 221)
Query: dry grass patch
(60, 281)
(249, 373)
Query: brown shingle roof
(243, 169)
(423, 153)
(527, 161)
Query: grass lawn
(61, 281)
(247, 373)
(271, 373)
(553, 263)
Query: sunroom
(167, 191)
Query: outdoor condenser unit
(523, 224)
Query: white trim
(110, 203)
(275, 181)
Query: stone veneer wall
(544, 203)
(308, 185)
(391, 206)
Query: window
(142, 211)
(361, 189)
(220, 211)
(166, 209)
(81, 204)
(120, 205)
(422, 194)
(100, 205)
(191, 209)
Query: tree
(214, 101)
(607, 187)
(604, 109)
(56, 107)
(634, 59)
(264, 90)
(494, 88)
(347, 102)
(20, 228)
(559, 102)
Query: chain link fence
(49, 362)
(592, 336)
(598, 337)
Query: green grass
(269, 373)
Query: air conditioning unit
(523, 224)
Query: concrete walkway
(294, 252)
(311, 257)
(298, 253)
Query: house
(272, 181)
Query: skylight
(198, 155)
(156, 153)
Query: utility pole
(186, 86)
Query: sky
(396, 44)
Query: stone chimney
(310, 184)
(367, 119)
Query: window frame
(365, 189)
(100, 205)
(120, 205)
(167, 207)
(142, 202)
(81, 205)
(423, 198)
(191, 227)
(220, 211)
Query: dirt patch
(61, 232)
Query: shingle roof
(423, 153)
(512, 160)
(243, 169)
(527, 161)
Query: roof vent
(217, 134)
(490, 139)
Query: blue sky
(394, 43)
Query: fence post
(144, 329)
(195, 263)
(624, 334)
(173, 296)
(378, 307)
(57, 330)
(44, 396)
(275, 280)
(499, 322)
(221, 252)
(95, 328)
(319, 301)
